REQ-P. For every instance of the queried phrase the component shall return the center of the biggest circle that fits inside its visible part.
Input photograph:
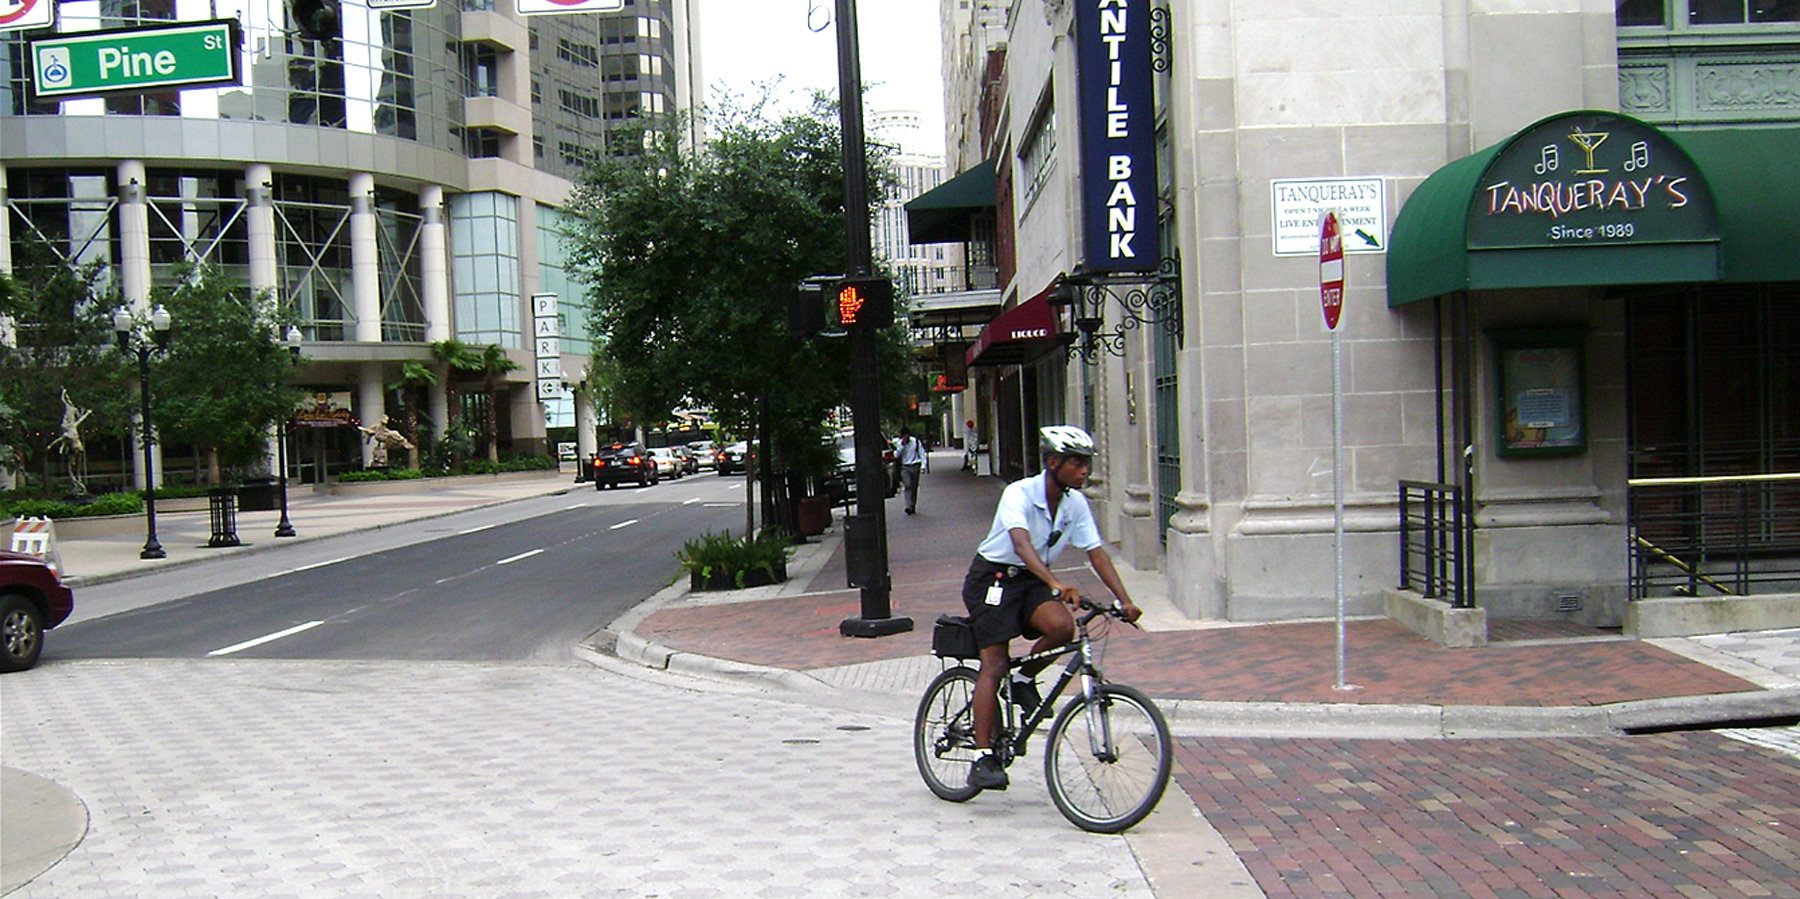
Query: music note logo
(1548, 160)
(1640, 157)
(1588, 142)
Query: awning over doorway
(941, 214)
(1596, 198)
(1018, 335)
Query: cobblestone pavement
(1678, 814)
(280, 779)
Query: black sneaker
(986, 774)
(1025, 695)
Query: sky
(743, 42)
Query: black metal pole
(152, 548)
(870, 548)
(283, 528)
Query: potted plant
(722, 562)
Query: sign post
(1331, 301)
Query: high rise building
(393, 186)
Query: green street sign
(86, 63)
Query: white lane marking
(690, 500)
(623, 524)
(247, 644)
(524, 555)
(575, 505)
(317, 565)
(475, 530)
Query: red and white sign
(553, 7)
(1331, 269)
(18, 15)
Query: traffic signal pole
(866, 532)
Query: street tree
(494, 365)
(59, 339)
(415, 378)
(692, 255)
(225, 411)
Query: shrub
(711, 556)
(380, 474)
(105, 504)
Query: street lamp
(125, 328)
(285, 528)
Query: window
(481, 70)
(1039, 153)
(586, 107)
(1670, 13)
(481, 143)
(581, 54)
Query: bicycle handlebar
(1095, 610)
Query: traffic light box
(863, 303)
(834, 303)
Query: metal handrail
(1434, 535)
(1727, 535)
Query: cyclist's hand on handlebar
(1129, 611)
(1070, 595)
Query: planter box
(421, 485)
(727, 580)
(103, 525)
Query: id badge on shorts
(994, 594)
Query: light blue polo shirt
(1023, 504)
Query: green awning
(941, 214)
(1739, 198)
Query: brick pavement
(1691, 814)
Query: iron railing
(1715, 536)
(1435, 543)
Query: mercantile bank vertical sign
(1118, 136)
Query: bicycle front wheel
(1108, 761)
(944, 734)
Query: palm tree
(493, 363)
(414, 378)
(454, 356)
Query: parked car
(624, 463)
(705, 453)
(733, 459)
(841, 484)
(668, 462)
(32, 601)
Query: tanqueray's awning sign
(1598, 198)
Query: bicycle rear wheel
(944, 734)
(1108, 762)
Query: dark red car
(32, 601)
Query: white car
(668, 464)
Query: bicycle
(1107, 761)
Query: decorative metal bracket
(1143, 299)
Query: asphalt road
(518, 584)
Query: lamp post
(126, 330)
(285, 528)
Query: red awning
(1018, 335)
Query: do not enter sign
(1331, 269)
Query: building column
(434, 264)
(586, 443)
(134, 282)
(365, 260)
(259, 223)
(371, 404)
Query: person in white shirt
(911, 454)
(1010, 590)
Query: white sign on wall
(1360, 204)
(548, 345)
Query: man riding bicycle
(1010, 590)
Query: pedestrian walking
(912, 461)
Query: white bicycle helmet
(1065, 440)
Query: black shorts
(1021, 594)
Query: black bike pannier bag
(953, 638)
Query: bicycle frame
(1083, 665)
